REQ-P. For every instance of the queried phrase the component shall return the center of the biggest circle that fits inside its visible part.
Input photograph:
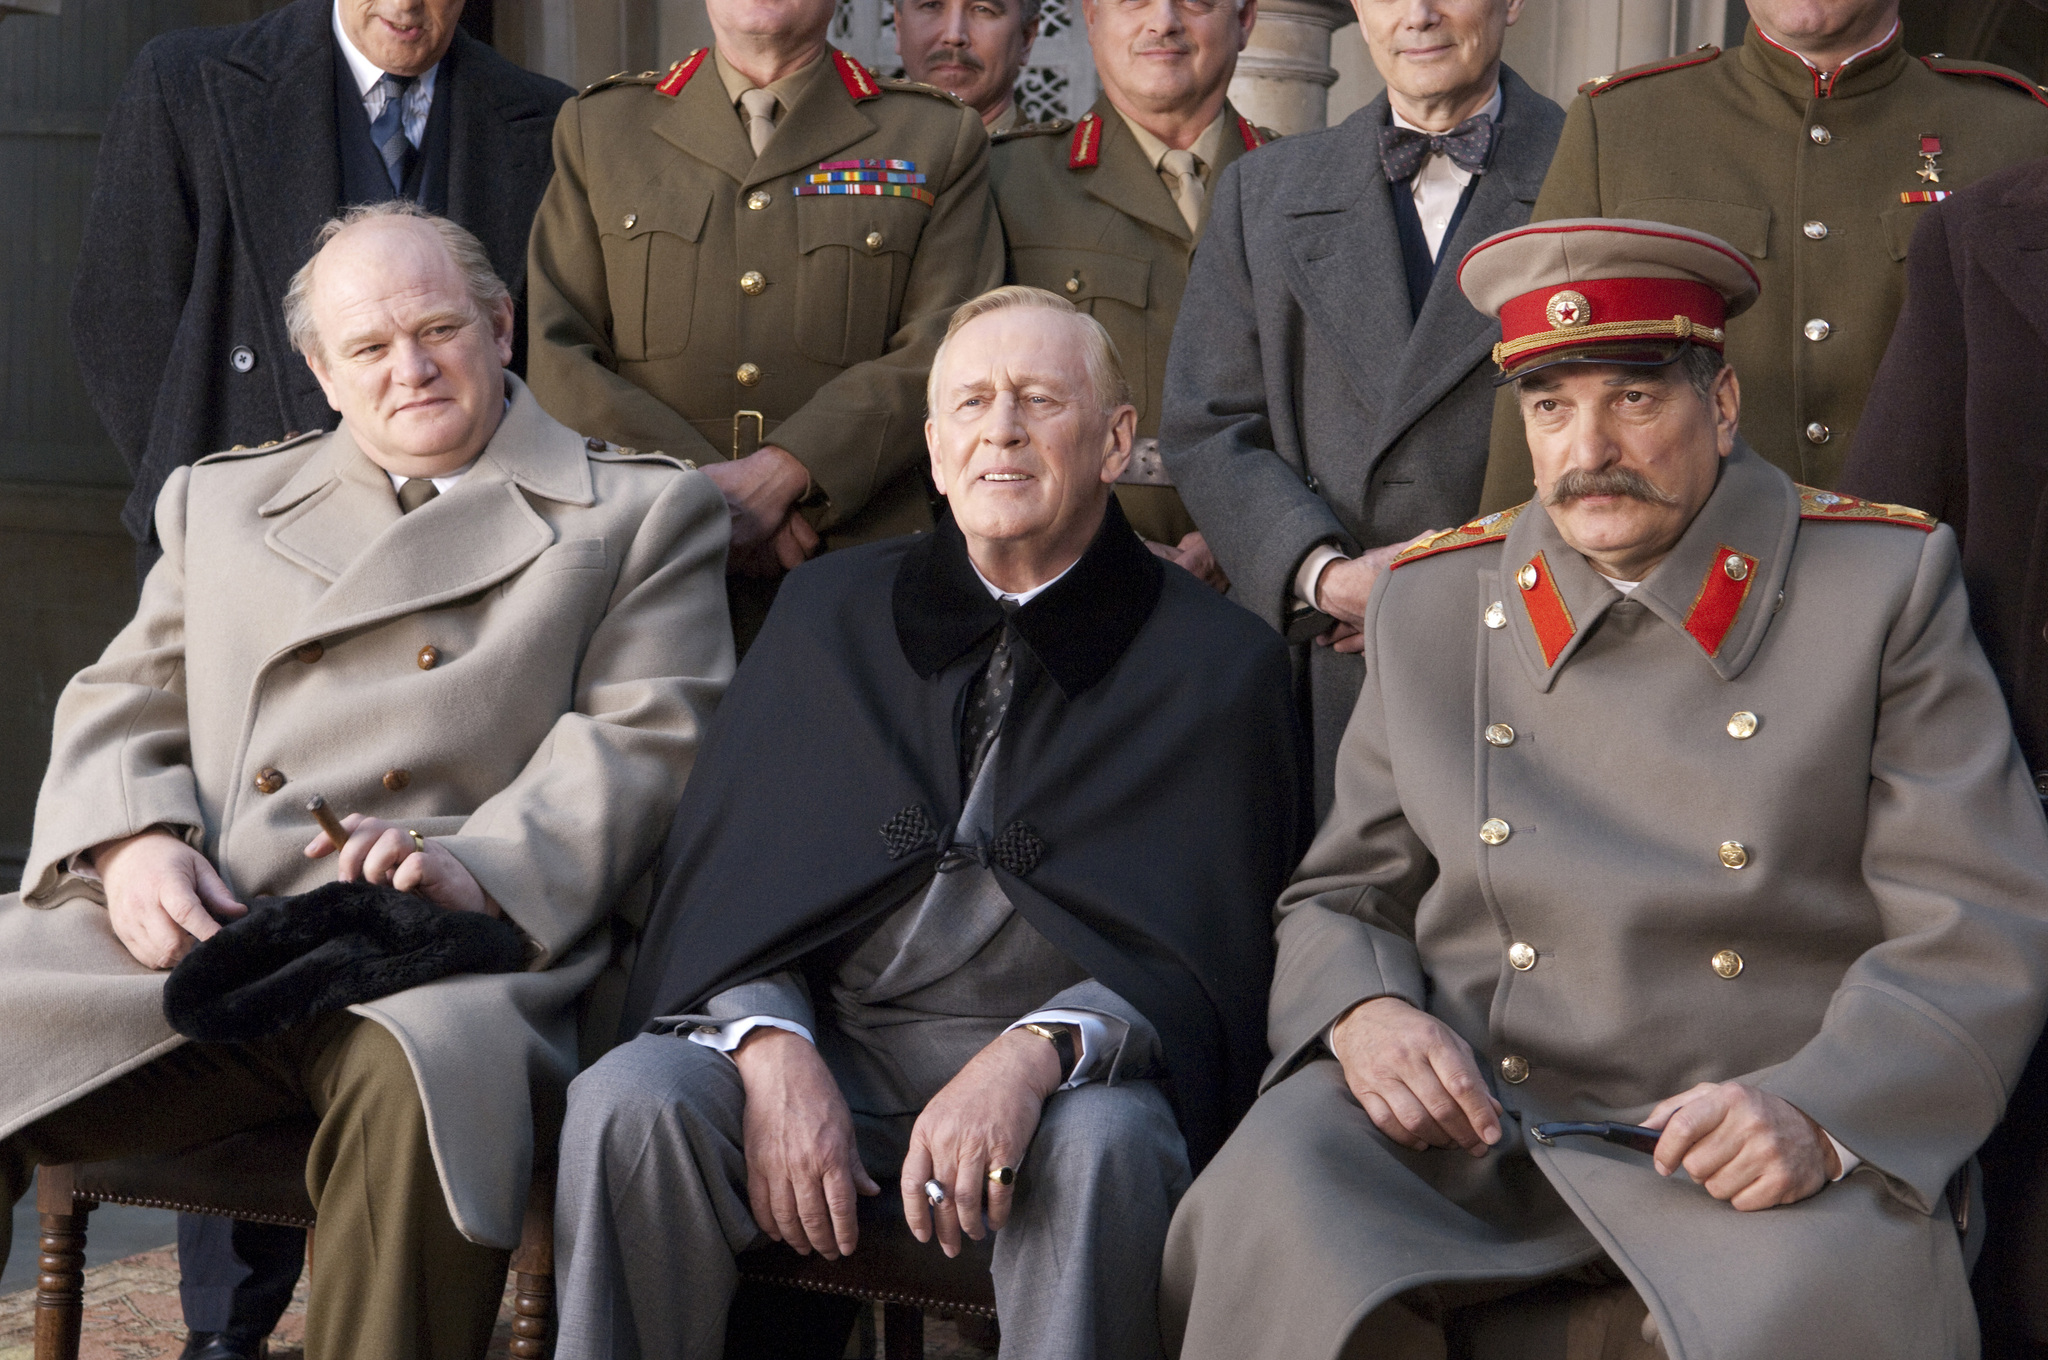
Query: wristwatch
(1061, 1037)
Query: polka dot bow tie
(1402, 150)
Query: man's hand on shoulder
(761, 491)
(982, 1120)
(383, 852)
(1192, 553)
(803, 1167)
(1416, 1077)
(162, 895)
(1345, 588)
(1748, 1147)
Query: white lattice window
(1059, 83)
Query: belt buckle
(760, 430)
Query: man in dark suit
(1953, 428)
(227, 150)
(1328, 395)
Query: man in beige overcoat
(1680, 797)
(491, 641)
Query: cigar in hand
(329, 823)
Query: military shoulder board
(1700, 55)
(1817, 504)
(1086, 148)
(1951, 66)
(1486, 529)
(680, 73)
(858, 80)
(1050, 127)
(1252, 134)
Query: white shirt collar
(1840, 66)
(1028, 596)
(441, 484)
(367, 72)
(1492, 110)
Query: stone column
(1284, 75)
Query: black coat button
(242, 357)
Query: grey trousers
(651, 1208)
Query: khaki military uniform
(1088, 217)
(1761, 820)
(689, 296)
(1819, 184)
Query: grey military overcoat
(573, 601)
(1847, 906)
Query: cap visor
(1624, 353)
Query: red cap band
(1574, 312)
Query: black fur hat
(292, 958)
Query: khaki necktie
(1184, 173)
(760, 108)
(416, 492)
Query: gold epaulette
(918, 87)
(1050, 127)
(622, 78)
(1699, 56)
(1817, 504)
(1486, 529)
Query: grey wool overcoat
(574, 602)
(1841, 898)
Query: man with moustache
(1680, 826)
(746, 262)
(973, 49)
(226, 150)
(1328, 394)
(1010, 959)
(1108, 210)
(1814, 148)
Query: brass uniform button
(1821, 136)
(1815, 231)
(1495, 616)
(1526, 577)
(748, 374)
(1074, 283)
(310, 653)
(1817, 329)
(1500, 734)
(752, 283)
(874, 240)
(269, 780)
(1743, 725)
(1521, 956)
(429, 657)
(1817, 433)
(1493, 831)
(396, 780)
(1734, 854)
(1737, 569)
(757, 200)
(631, 218)
(1514, 1069)
(1727, 963)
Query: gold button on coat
(269, 780)
(1817, 433)
(1736, 568)
(310, 653)
(1495, 616)
(1521, 956)
(752, 282)
(396, 780)
(631, 218)
(1500, 734)
(1734, 854)
(1817, 329)
(1514, 1069)
(1742, 726)
(429, 657)
(1074, 283)
(1727, 963)
(1821, 136)
(1526, 577)
(1815, 231)
(1493, 831)
(758, 199)
(748, 374)
(874, 240)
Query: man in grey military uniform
(972, 49)
(746, 263)
(1107, 210)
(1683, 798)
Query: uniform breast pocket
(650, 262)
(855, 255)
(1114, 289)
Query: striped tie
(387, 130)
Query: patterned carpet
(131, 1313)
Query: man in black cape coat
(973, 879)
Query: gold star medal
(1930, 147)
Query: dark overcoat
(219, 163)
(1953, 428)
(1305, 403)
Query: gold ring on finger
(419, 845)
(1002, 1175)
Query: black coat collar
(1078, 628)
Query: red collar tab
(680, 73)
(1548, 613)
(1253, 138)
(1086, 148)
(859, 82)
(1722, 591)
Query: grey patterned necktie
(387, 130)
(416, 492)
(989, 702)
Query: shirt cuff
(726, 1037)
(1310, 573)
(1101, 1042)
(1850, 1161)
